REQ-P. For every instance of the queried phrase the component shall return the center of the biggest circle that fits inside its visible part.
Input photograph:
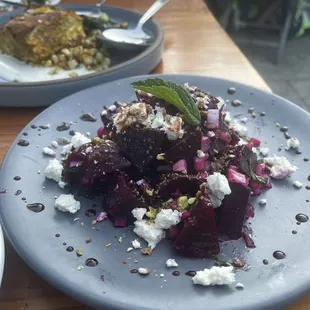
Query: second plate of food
(30, 72)
(175, 165)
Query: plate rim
(108, 303)
(158, 41)
(2, 254)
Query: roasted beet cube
(233, 211)
(121, 199)
(183, 184)
(92, 162)
(141, 145)
(186, 149)
(198, 237)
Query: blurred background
(274, 36)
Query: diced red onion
(256, 188)
(236, 177)
(260, 168)
(101, 216)
(180, 166)
(185, 215)
(249, 145)
(255, 142)
(235, 168)
(224, 136)
(199, 164)
(74, 163)
(213, 119)
(203, 175)
(205, 144)
(101, 132)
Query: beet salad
(173, 164)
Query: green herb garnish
(174, 94)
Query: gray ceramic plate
(124, 64)
(33, 234)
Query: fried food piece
(39, 33)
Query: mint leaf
(174, 94)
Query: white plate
(1, 254)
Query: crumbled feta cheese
(138, 213)
(221, 102)
(293, 143)
(255, 150)
(54, 144)
(136, 244)
(227, 117)
(104, 112)
(171, 263)
(264, 151)
(143, 270)
(219, 187)
(161, 275)
(280, 167)
(215, 276)
(147, 231)
(167, 218)
(262, 202)
(156, 118)
(239, 286)
(67, 203)
(53, 171)
(62, 184)
(297, 184)
(77, 140)
(201, 154)
(112, 108)
(48, 151)
(211, 134)
(242, 142)
(140, 182)
(239, 129)
(244, 120)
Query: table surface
(194, 44)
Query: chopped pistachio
(164, 204)
(191, 200)
(147, 251)
(198, 193)
(182, 203)
(129, 249)
(108, 245)
(278, 125)
(79, 252)
(160, 156)
(94, 222)
(149, 192)
(124, 262)
(151, 214)
(135, 261)
(79, 268)
(89, 240)
(120, 239)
